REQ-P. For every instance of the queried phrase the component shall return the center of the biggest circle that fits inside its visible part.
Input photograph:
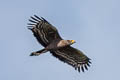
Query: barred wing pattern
(44, 32)
(73, 57)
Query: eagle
(47, 35)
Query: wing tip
(81, 67)
(35, 20)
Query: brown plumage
(47, 35)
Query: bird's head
(64, 43)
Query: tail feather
(37, 53)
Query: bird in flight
(47, 35)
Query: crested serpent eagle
(47, 35)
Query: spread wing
(44, 32)
(73, 57)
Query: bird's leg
(37, 53)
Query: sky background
(94, 24)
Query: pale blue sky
(94, 24)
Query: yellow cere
(73, 41)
